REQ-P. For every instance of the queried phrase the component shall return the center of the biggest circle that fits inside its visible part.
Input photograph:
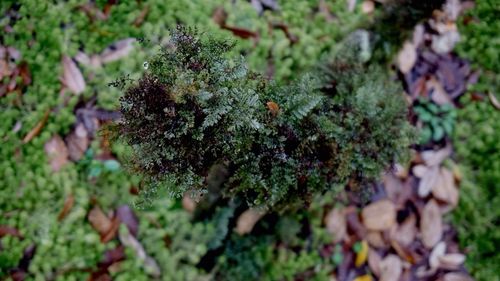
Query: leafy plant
(438, 121)
(195, 108)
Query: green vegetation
(437, 121)
(477, 146)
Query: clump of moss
(195, 108)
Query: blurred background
(68, 205)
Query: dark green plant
(438, 121)
(195, 108)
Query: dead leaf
(365, 277)
(390, 268)
(72, 76)
(141, 17)
(380, 215)
(247, 220)
(428, 180)
(455, 276)
(438, 93)
(188, 203)
(405, 233)
(219, 16)
(451, 261)
(362, 255)
(8, 230)
(77, 142)
(68, 204)
(367, 7)
(112, 231)
(149, 263)
(273, 108)
(431, 225)
(407, 57)
(445, 188)
(117, 50)
(374, 261)
(127, 217)
(38, 128)
(419, 170)
(393, 186)
(438, 251)
(99, 221)
(375, 239)
(494, 101)
(336, 224)
(57, 152)
(434, 158)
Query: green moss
(477, 216)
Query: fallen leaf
(380, 215)
(444, 43)
(407, 57)
(247, 220)
(72, 76)
(437, 92)
(351, 4)
(149, 263)
(375, 239)
(455, 276)
(241, 32)
(451, 261)
(431, 225)
(77, 142)
(374, 261)
(117, 50)
(494, 101)
(336, 224)
(393, 186)
(367, 7)
(427, 181)
(419, 170)
(57, 152)
(438, 251)
(68, 204)
(365, 277)
(362, 255)
(390, 268)
(127, 217)
(273, 108)
(141, 17)
(38, 128)
(112, 231)
(188, 203)
(99, 221)
(8, 230)
(434, 158)
(445, 188)
(405, 233)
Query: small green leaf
(438, 133)
(111, 165)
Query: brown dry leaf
(57, 152)
(439, 95)
(434, 158)
(451, 261)
(141, 17)
(99, 221)
(117, 50)
(77, 142)
(494, 101)
(405, 233)
(247, 220)
(149, 263)
(8, 230)
(112, 231)
(68, 204)
(431, 224)
(273, 108)
(407, 57)
(367, 7)
(380, 215)
(374, 261)
(375, 239)
(428, 180)
(38, 128)
(72, 76)
(188, 203)
(391, 268)
(403, 252)
(419, 170)
(336, 224)
(438, 251)
(219, 16)
(445, 188)
(393, 186)
(455, 276)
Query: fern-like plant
(195, 111)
